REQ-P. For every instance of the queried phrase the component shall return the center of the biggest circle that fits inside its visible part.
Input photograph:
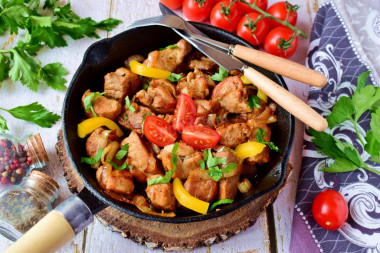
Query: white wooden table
(96, 238)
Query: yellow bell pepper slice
(142, 70)
(262, 95)
(188, 201)
(86, 127)
(249, 149)
(245, 80)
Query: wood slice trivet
(168, 236)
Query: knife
(267, 61)
(277, 93)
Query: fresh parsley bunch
(347, 158)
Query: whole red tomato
(280, 10)
(172, 4)
(252, 30)
(262, 4)
(197, 10)
(281, 41)
(225, 15)
(330, 210)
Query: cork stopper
(36, 150)
(43, 184)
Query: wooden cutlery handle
(287, 100)
(280, 66)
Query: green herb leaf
(89, 102)
(220, 202)
(146, 85)
(128, 104)
(53, 74)
(342, 111)
(168, 175)
(108, 24)
(4, 67)
(3, 124)
(168, 47)
(254, 101)
(174, 77)
(213, 165)
(121, 167)
(260, 138)
(143, 121)
(373, 137)
(202, 164)
(122, 152)
(216, 174)
(50, 3)
(220, 75)
(34, 113)
(35, 21)
(92, 160)
(15, 16)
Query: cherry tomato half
(253, 32)
(172, 4)
(200, 137)
(184, 113)
(262, 4)
(280, 11)
(158, 131)
(197, 10)
(330, 210)
(278, 42)
(225, 16)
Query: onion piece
(244, 186)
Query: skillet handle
(280, 66)
(56, 229)
(287, 100)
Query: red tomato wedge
(158, 131)
(184, 113)
(200, 137)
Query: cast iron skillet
(109, 54)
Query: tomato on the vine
(281, 41)
(225, 15)
(172, 4)
(244, 8)
(330, 210)
(184, 113)
(158, 131)
(280, 10)
(197, 10)
(200, 137)
(253, 27)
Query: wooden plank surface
(97, 238)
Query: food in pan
(173, 132)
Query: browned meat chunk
(161, 195)
(207, 112)
(103, 106)
(232, 95)
(232, 135)
(132, 120)
(228, 187)
(160, 96)
(196, 84)
(200, 185)
(140, 156)
(187, 160)
(263, 157)
(119, 181)
(121, 83)
(170, 58)
(99, 138)
(201, 62)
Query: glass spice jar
(18, 158)
(23, 205)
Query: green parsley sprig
(89, 102)
(346, 156)
(220, 75)
(213, 165)
(92, 160)
(260, 138)
(220, 202)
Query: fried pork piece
(201, 62)
(159, 97)
(170, 58)
(121, 83)
(104, 107)
(119, 181)
(99, 138)
(140, 155)
(232, 135)
(161, 195)
(196, 84)
(232, 95)
(187, 159)
(132, 120)
(207, 112)
(200, 185)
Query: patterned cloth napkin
(345, 42)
